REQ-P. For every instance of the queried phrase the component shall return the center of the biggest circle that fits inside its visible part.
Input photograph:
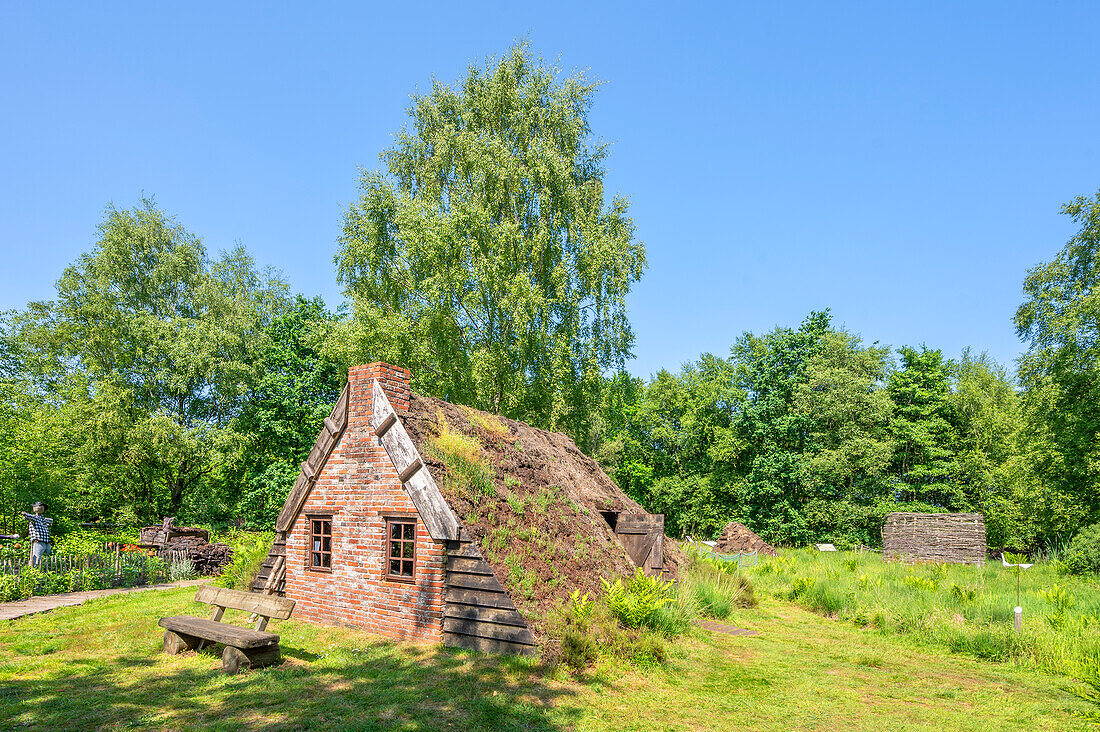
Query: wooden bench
(244, 647)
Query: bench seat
(218, 632)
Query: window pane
(326, 527)
(316, 559)
(407, 549)
(407, 569)
(316, 545)
(395, 531)
(316, 527)
(326, 560)
(395, 566)
(409, 530)
(395, 549)
(326, 544)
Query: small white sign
(826, 548)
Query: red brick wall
(359, 488)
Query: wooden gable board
(430, 504)
(311, 468)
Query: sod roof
(530, 498)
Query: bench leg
(178, 642)
(234, 659)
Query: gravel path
(13, 610)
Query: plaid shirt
(38, 527)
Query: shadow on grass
(382, 686)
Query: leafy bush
(636, 602)
(250, 549)
(1082, 556)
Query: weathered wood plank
(216, 632)
(479, 598)
(293, 505)
(266, 605)
(463, 549)
(486, 645)
(433, 509)
(484, 614)
(468, 565)
(639, 523)
(474, 582)
(495, 631)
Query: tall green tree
(1060, 322)
(149, 351)
(485, 254)
(847, 415)
(771, 432)
(923, 429)
(282, 413)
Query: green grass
(99, 666)
(965, 609)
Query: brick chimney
(394, 381)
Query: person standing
(38, 531)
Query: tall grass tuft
(468, 472)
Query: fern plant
(637, 601)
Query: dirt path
(13, 610)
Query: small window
(320, 543)
(400, 548)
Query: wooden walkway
(45, 603)
(723, 628)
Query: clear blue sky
(901, 165)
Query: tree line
(485, 255)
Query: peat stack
(191, 542)
(737, 539)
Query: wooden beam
(384, 427)
(408, 472)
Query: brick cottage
(367, 539)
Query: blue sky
(902, 165)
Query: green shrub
(250, 549)
(579, 649)
(636, 602)
(1082, 556)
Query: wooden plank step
(502, 616)
(479, 598)
(465, 549)
(473, 581)
(468, 565)
(487, 645)
(496, 631)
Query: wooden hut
(376, 534)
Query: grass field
(100, 666)
(960, 608)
